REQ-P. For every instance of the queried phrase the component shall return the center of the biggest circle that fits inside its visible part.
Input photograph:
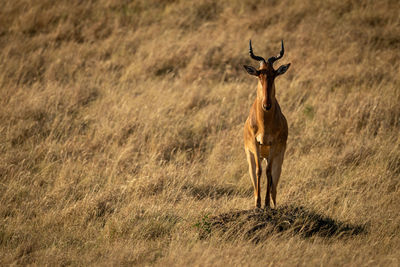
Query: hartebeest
(266, 129)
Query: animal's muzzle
(266, 106)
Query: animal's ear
(251, 70)
(282, 69)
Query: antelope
(266, 129)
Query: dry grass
(121, 133)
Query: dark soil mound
(257, 224)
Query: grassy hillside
(121, 133)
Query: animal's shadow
(258, 224)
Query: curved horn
(261, 59)
(271, 60)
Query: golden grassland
(121, 133)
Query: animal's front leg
(269, 184)
(276, 169)
(258, 173)
(251, 160)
